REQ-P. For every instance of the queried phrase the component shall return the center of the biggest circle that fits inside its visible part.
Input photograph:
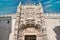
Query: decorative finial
(19, 4)
(39, 3)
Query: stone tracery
(31, 21)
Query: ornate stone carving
(30, 22)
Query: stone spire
(18, 8)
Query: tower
(30, 24)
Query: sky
(10, 6)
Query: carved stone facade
(30, 21)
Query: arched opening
(30, 37)
(30, 32)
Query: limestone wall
(5, 28)
(53, 28)
(11, 36)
